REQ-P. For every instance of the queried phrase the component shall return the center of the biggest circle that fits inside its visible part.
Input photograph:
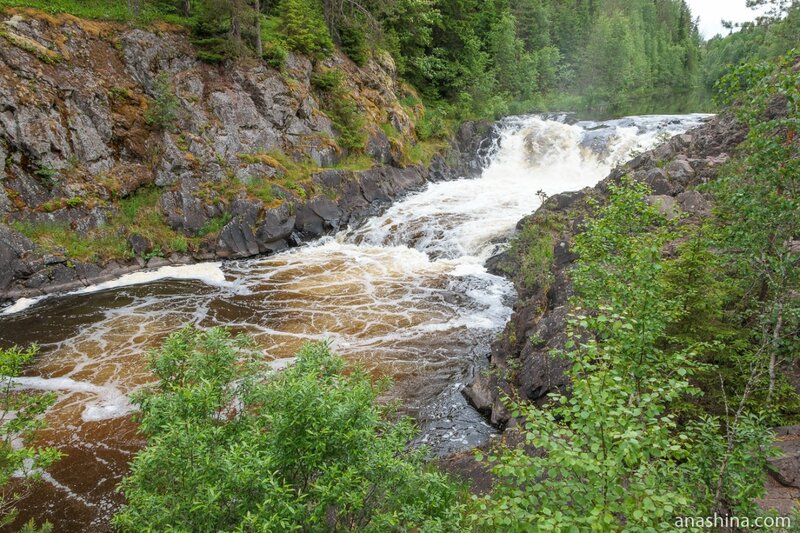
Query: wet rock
(481, 393)
(157, 262)
(237, 240)
(278, 224)
(317, 216)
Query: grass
(422, 153)
(53, 237)
(111, 10)
(138, 213)
(355, 162)
(215, 225)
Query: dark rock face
(237, 240)
(278, 225)
(185, 212)
(139, 244)
(469, 153)
(75, 130)
(521, 362)
(786, 468)
(13, 249)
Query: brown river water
(405, 294)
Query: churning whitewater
(406, 294)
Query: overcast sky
(712, 11)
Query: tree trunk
(236, 27)
(186, 7)
(773, 357)
(257, 45)
(135, 7)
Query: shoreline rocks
(520, 363)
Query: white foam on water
(208, 273)
(21, 305)
(108, 401)
(405, 293)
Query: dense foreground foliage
(233, 446)
(615, 455)
(21, 460)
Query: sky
(711, 12)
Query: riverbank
(521, 364)
(122, 151)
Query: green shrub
(214, 225)
(304, 28)
(21, 418)
(162, 113)
(275, 55)
(329, 80)
(233, 446)
(179, 244)
(340, 108)
(47, 174)
(614, 456)
(354, 42)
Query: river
(405, 293)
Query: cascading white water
(405, 293)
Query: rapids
(404, 293)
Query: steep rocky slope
(119, 150)
(540, 260)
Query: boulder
(277, 225)
(185, 212)
(666, 205)
(481, 394)
(694, 203)
(786, 467)
(657, 180)
(680, 170)
(237, 240)
(317, 216)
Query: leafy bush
(20, 419)
(233, 446)
(340, 108)
(613, 455)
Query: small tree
(610, 454)
(162, 112)
(233, 446)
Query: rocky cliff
(539, 262)
(120, 150)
